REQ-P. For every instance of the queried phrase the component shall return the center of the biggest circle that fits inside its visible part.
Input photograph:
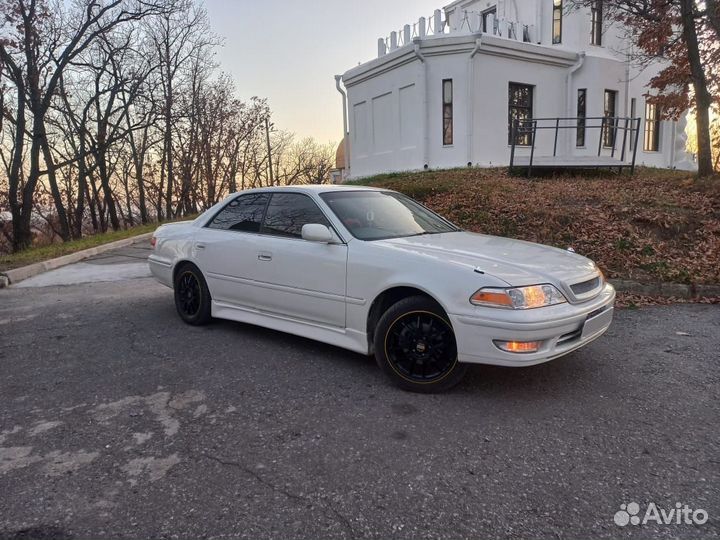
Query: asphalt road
(119, 421)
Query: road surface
(117, 420)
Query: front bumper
(562, 329)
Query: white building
(442, 91)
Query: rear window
(243, 213)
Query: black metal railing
(609, 127)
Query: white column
(437, 21)
(475, 21)
(382, 49)
(422, 27)
(393, 40)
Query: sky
(289, 52)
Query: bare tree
(178, 35)
(113, 112)
(37, 47)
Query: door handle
(264, 256)
(200, 246)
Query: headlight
(533, 296)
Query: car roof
(316, 188)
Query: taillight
(153, 241)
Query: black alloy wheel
(415, 345)
(192, 297)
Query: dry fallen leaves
(655, 226)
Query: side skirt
(340, 337)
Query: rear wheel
(415, 346)
(192, 297)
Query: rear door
(226, 249)
(300, 279)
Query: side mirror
(315, 232)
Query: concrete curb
(18, 274)
(678, 290)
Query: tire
(192, 296)
(415, 346)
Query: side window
(447, 93)
(557, 22)
(244, 213)
(288, 212)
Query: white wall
(395, 102)
(386, 121)
(492, 77)
(453, 67)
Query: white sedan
(375, 272)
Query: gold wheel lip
(426, 312)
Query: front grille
(585, 287)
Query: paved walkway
(129, 262)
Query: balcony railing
(524, 134)
(469, 22)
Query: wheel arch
(181, 263)
(386, 298)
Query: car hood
(516, 262)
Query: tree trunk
(168, 133)
(138, 157)
(54, 190)
(82, 189)
(91, 205)
(20, 238)
(107, 190)
(702, 95)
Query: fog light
(518, 346)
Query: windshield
(376, 215)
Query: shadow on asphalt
(41, 532)
(494, 382)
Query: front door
(300, 279)
(610, 106)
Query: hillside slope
(658, 225)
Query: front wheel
(415, 346)
(192, 296)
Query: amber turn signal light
(518, 346)
(492, 297)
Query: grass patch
(50, 251)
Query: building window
(447, 97)
(520, 107)
(652, 128)
(597, 22)
(581, 114)
(488, 20)
(610, 120)
(557, 21)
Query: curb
(677, 290)
(24, 272)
